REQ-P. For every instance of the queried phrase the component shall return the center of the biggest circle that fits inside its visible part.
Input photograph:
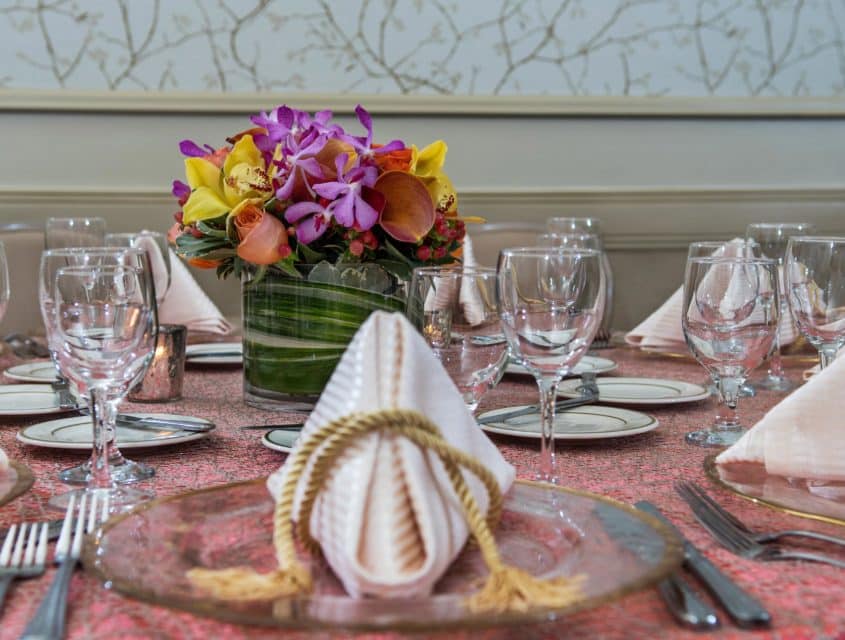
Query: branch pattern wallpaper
(729, 48)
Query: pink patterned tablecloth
(805, 599)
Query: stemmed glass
(815, 281)
(4, 281)
(563, 225)
(74, 232)
(155, 244)
(730, 319)
(773, 238)
(104, 322)
(124, 471)
(551, 301)
(454, 308)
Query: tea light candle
(163, 379)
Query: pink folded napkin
(801, 436)
(186, 303)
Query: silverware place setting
(589, 395)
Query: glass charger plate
(812, 499)
(545, 530)
(16, 482)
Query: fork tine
(6, 551)
(41, 550)
(717, 513)
(29, 554)
(17, 553)
(726, 536)
(724, 513)
(76, 544)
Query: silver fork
(735, 539)
(49, 620)
(765, 536)
(19, 561)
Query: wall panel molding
(516, 106)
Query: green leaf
(395, 268)
(210, 231)
(392, 250)
(309, 255)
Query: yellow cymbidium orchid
(427, 165)
(215, 191)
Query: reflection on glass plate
(29, 400)
(589, 422)
(545, 530)
(76, 433)
(214, 353)
(639, 391)
(37, 371)
(15, 482)
(592, 364)
(815, 499)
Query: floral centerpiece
(322, 226)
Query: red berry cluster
(444, 237)
(359, 241)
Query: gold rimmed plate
(17, 481)
(548, 531)
(814, 499)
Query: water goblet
(74, 232)
(156, 246)
(124, 470)
(454, 308)
(773, 238)
(104, 321)
(815, 282)
(551, 303)
(730, 318)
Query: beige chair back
(24, 245)
(490, 238)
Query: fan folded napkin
(186, 303)
(801, 436)
(387, 519)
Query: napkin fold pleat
(801, 436)
(388, 520)
(186, 303)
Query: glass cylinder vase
(295, 328)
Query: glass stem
(775, 362)
(728, 414)
(827, 354)
(103, 415)
(548, 397)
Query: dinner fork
(49, 620)
(766, 536)
(735, 539)
(23, 554)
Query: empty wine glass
(124, 471)
(815, 282)
(103, 319)
(156, 246)
(454, 308)
(74, 232)
(773, 238)
(563, 225)
(730, 319)
(551, 301)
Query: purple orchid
(181, 191)
(363, 144)
(193, 150)
(350, 208)
(298, 159)
(312, 218)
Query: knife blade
(296, 426)
(745, 610)
(563, 405)
(685, 604)
(158, 424)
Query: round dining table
(805, 599)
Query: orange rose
(399, 160)
(263, 237)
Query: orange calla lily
(408, 214)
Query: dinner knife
(745, 610)
(158, 424)
(296, 426)
(524, 411)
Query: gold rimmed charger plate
(546, 530)
(796, 496)
(788, 358)
(17, 482)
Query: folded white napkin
(186, 303)
(4, 463)
(802, 435)
(388, 520)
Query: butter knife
(745, 610)
(159, 424)
(296, 426)
(685, 604)
(524, 411)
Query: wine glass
(551, 303)
(104, 322)
(454, 308)
(74, 232)
(4, 281)
(156, 246)
(773, 238)
(730, 319)
(563, 225)
(815, 282)
(124, 471)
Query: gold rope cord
(506, 589)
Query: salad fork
(767, 536)
(23, 554)
(49, 619)
(735, 539)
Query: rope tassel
(506, 589)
